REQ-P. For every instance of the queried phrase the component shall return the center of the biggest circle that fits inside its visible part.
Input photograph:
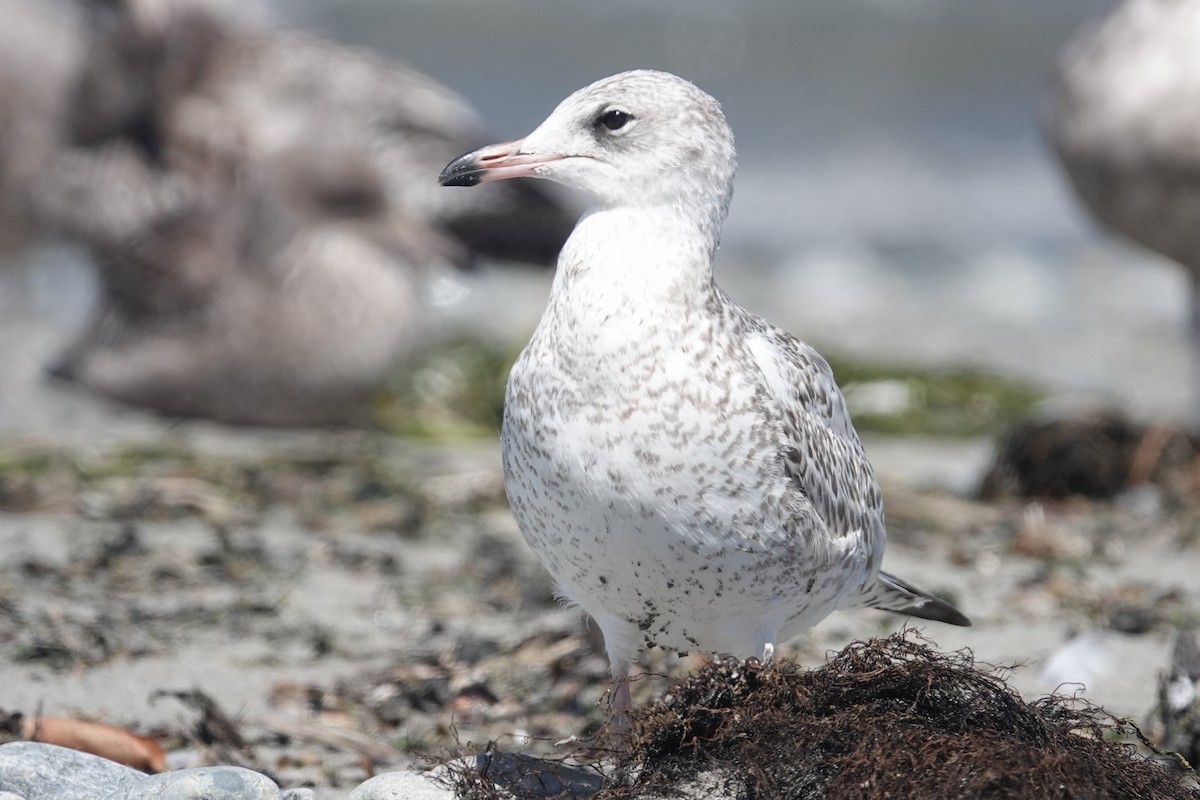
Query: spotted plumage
(687, 471)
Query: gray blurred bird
(259, 206)
(39, 51)
(1123, 116)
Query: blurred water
(909, 120)
(894, 197)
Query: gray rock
(401, 786)
(515, 774)
(203, 783)
(37, 771)
(533, 778)
(714, 784)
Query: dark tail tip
(937, 611)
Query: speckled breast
(654, 495)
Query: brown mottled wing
(825, 458)
(822, 453)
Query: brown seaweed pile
(1093, 455)
(889, 718)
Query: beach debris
(1175, 720)
(1096, 455)
(883, 718)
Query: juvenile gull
(257, 207)
(1123, 116)
(686, 471)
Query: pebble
(37, 771)
(518, 775)
(401, 786)
(525, 776)
(205, 783)
(711, 785)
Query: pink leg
(1194, 346)
(619, 726)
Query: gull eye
(614, 119)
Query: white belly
(670, 520)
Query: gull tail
(889, 593)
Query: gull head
(640, 138)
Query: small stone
(1133, 619)
(38, 771)
(204, 783)
(513, 774)
(529, 777)
(717, 784)
(401, 786)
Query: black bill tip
(465, 170)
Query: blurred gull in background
(38, 57)
(1124, 118)
(261, 209)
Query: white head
(640, 138)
